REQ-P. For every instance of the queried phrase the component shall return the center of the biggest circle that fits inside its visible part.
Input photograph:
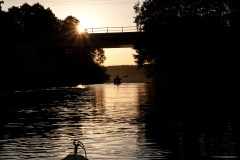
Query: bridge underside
(94, 40)
(103, 40)
(113, 40)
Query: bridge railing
(112, 29)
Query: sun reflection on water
(113, 122)
(103, 117)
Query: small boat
(117, 80)
(75, 155)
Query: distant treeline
(190, 48)
(33, 50)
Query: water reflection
(113, 122)
(42, 123)
(201, 134)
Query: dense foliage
(37, 49)
(191, 34)
(153, 14)
(189, 47)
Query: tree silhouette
(70, 24)
(38, 49)
(188, 45)
(1, 2)
(35, 20)
(152, 13)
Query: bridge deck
(108, 39)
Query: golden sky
(119, 56)
(93, 14)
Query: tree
(37, 48)
(35, 19)
(84, 64)
(70, 24)
(152, 13)
(1, 2)
(187, 45)
(97, 56)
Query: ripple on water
(112, 122)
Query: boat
(76, 155)
(117, 80)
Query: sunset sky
(93, 14)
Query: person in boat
(117, 80)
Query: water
(113, 122)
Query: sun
(81, 28)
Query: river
(113, 122)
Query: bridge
(105, 37)
(40, 55)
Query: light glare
(80, 28)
